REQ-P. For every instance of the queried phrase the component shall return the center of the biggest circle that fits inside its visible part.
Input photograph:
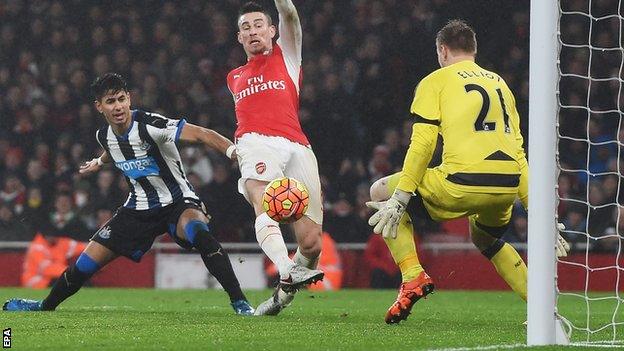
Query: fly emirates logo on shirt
(258, 84)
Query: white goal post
(576, 115)
(543, 325)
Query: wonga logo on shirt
(139, 168)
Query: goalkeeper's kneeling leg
(503, 256)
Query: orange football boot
(409, 293)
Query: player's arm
(196, 134)
(422, 145)
(290, 33)
(95, 164)
(523, 189)
(419, 153)
(426, 110)
(561, 246)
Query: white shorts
(265, 158)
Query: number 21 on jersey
(481, 124)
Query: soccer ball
(285, 200)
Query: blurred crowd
(361, 62)
(590, 125)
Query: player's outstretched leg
(503, 256)
(416, 284)
(307, 256)
(69, 282)
(270, 239)
(305, 271)
(292, 276)
(280, 298)
(217, 262)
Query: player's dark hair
(252, 6)
(109, 82)
(458, 35)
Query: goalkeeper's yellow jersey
(476, 115)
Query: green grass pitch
(130, 319)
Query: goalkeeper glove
(386, 220)
(562, 248)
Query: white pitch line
(592, 344)
(602, 344)
(476, 348)
(610, 342)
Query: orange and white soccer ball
(285, 200)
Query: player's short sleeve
(173, 129)
(426, 104)
(165, 130)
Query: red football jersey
(266, 95)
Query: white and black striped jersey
(149, 159)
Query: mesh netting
(590, 161)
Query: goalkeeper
(483, 170)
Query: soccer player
(143, 146)
(270, 142)
(483, 170)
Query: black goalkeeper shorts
(131, 233)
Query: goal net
(590, 161)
